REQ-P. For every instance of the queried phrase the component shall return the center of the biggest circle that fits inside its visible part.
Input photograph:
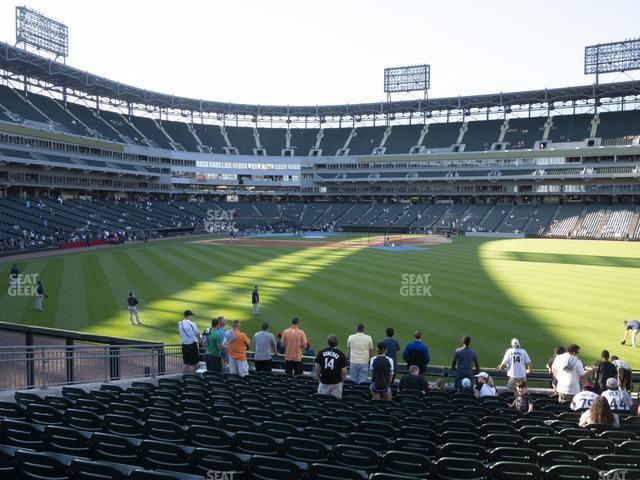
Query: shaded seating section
(57, 113)
(211, 136)
(365, 140)
(121, 125)
(517, 218)
(333, 212)
(430, 215)
(402, 138)
(491, 221)
(333, 139)
(94, 122)
(311, 212)
(570, 128)
(275, 427)
(303, 140)
(273, 140)
(540, 220)
(242, 139)
(350, 217)
(524, 132)
(409, 215)
(618, 124)
(370, 215)
(150, 130)
(473, 216)
(481, 134)
(180, 133)
(442, 135)
(451, 217)
(10, 100)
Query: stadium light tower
(34, 29)
(411, 78)
(612, 57)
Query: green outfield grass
(545, 292)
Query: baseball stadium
(130, 217)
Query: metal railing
(41, 366)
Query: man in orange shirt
(293, 341)
(238, 343)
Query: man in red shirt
(293, 341)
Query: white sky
(333, 51)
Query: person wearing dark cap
(189, 336)
(584, 399)
(132, 303)
(39, 295)
(255, 300)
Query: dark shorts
(214, 363)
(291, 367)
(190, 354)
(263, 365)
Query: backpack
(204, 339)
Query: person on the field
(238, 343)
(417, 353)
(293, 340)
(359, 350)
(599, 413)
(625, 375)
(381, 374)
(585, 398)
(413, 380)
(521, 401)
(634, 327)
(15, 276)
(603, 371)
(517, 362)
(464, 360)
(255, 300)
(189, 336)
(331, 369)
(485, 386)
(39, 295)
(132, 303)
(264, 344)
(618, 399)
(568, 369)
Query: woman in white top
(599, 413)
(485, 386)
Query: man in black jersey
(381, 368)
(331, 368)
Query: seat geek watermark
(220, 220)
(415, 285)
(219, 475)
(23, 285)
(613, 475)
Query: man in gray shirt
(264, 344)
(464, 360)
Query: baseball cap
(515, 343)
(612, 382)
(466, 383)
(188, 313)
(482, 374)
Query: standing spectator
(417, 353)
(223, 335)
(568, 369)
(521, 401)
(624, 373)
(264, 344)
(634, 327)
(212, 342)
(255, 300)
(331, 369)
(279, 346)
(40, 295)
(392, 347)
(485, 386)
(381, 374)
(585, 398)
(189, 336)
(603, 371)
(618, 399)
(15, 276)
(413, 380)
(132, 303)
(559, 350)
(238, 343)
(464, 359)
(517, 362)
(599, 413)
(359, 350)
(293, 340)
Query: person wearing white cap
(618, 399)
(466, 386)
(517, 362)
(485, 386)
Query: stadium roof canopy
(20, 62)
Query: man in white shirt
(568, 368)
(584, 399)
(618, 399)
(359, 351)
(517, 362)
(189, 336)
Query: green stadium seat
(41, 465)
(416, 445)
(208, 460)
(44, 414)
(25, 398)
(407, 464)
(164, 431)
(323, 471)
(141, 474)
(271, 468)
(123, 425)
(513, 454)
(279, 429)
(67, 441)
(616, 461)
(305, 450)
(18, 433)
(563, 457)
(594, 446)
(83, 420)
(252, 443)
(463, 450)
(496, 440)
(157, 455)
(89, 470)
(459, 469)
(326, 436)
(504, 470)
(356, 457)
(12, 410)
(376, 442)
(571, 472)
(115, 448)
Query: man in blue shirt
(392, 346)
(634, 326)
(417, 353)
(464, 359)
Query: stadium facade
(519, 161)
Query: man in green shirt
(213, 352)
